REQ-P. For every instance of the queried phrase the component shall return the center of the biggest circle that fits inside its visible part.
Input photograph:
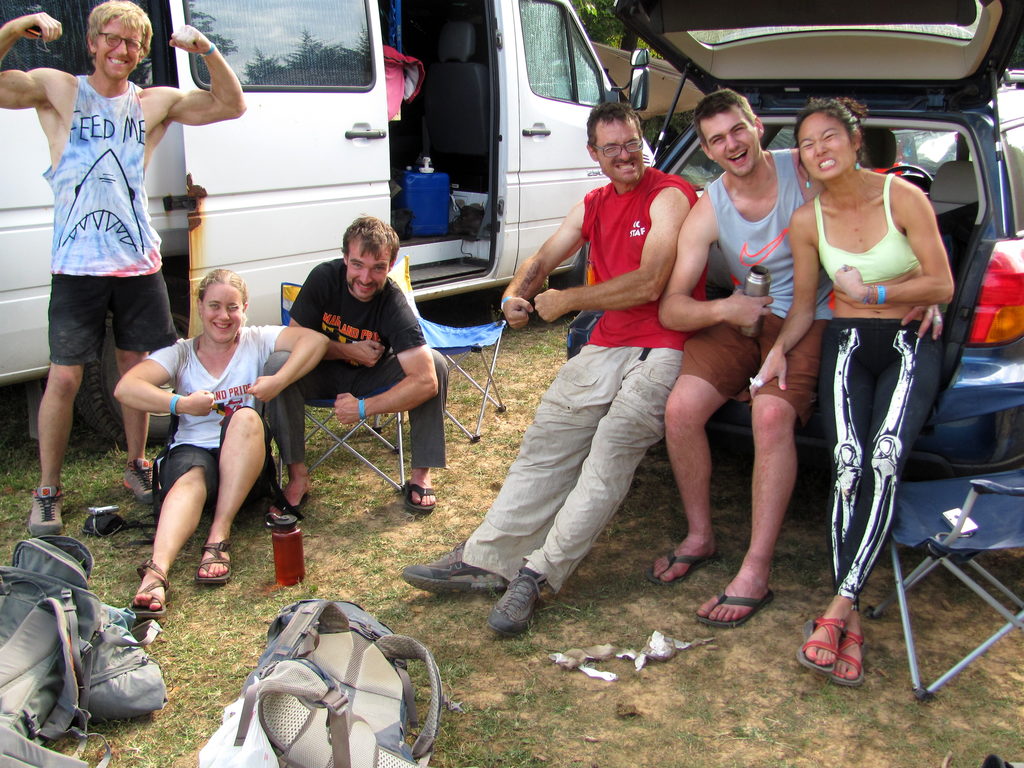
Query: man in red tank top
(606, 405)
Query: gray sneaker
(512, 613)
(138, 478)
(44, 517)
(450, 574)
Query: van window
(1014, 142)
(314, 43)
(69, 54)
(558, 61)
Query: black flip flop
(418, 509)
(216, 558)
(746, 602)
(141, 610)
(694, 561)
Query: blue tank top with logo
(743, 243)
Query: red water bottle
(289, 562)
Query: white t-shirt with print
(230, 389)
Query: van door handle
(364, 131)
(537, 130)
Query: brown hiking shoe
(138, 478)
(44, 517)
(512, 613)
(450, 574)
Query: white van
(502, 110)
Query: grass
(741, 701)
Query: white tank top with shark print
(101, 222)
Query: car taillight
(999, 316)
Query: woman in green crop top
(877, 238)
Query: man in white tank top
(105, 249)
(746, 214)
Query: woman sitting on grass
(220, 446)
(877, 238)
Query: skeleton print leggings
(876, 388)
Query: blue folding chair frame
(372, 429)
(996, 504)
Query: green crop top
(890, 257)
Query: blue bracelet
(881, 294)
(213, 48)
(174, 404)
(507, 298)
(362, 408)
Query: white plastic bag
(220, 751)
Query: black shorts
(78, 315)
(183, 457)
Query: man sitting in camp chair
(377, 361)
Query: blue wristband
(362, 408)
(881, 294)
(213, 48)
(174, 404)
(507, 298)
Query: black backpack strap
(172, 428)
(270, 474)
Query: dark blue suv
(946, 112)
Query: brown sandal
(217, 559)
(142, 610)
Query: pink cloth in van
(403, 76)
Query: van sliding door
(275, 189)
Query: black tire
(97, 407)
(95, 402)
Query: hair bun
(857, 109)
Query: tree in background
(602, 25)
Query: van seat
(879, 147)
(954, 196)
(457, 94)
(955, 186)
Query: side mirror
(640, 79)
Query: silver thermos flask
(758, 283)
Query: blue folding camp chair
(359, 440)
(992, 503)
(456, 345)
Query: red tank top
(616, 227)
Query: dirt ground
(742, 700)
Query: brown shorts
(727, 360)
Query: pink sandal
(850, 639)
(834, 628)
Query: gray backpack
(331, 689)
(63, 653)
